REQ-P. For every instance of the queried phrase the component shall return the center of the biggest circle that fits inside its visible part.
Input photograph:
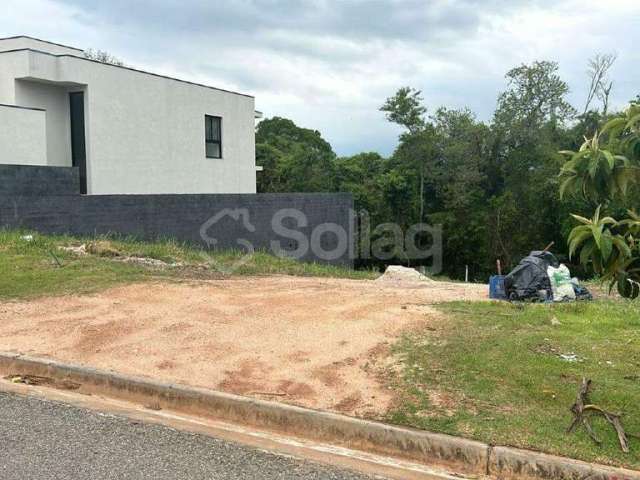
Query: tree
(529, 126)
(600, 86)
(458, 197)
(601, 172)
(529, 119)
(361, 175)
(295, 159)
(492, 186)
(536, 95)
(103, 57)
(405, 108)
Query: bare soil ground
(320, 343)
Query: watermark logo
(416, 243)
(290, 234)
(246, 247)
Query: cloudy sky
(329, 64)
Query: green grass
(493, 372)
(30, 268)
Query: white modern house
(127, 131)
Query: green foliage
(405, 108)
(598, 244)
(295, 159)
(603, 171)
(529, 125)
(491, 185)
(417, 144)
(457, 189)
(363, 176)
(488, 370)
(536, 95)
(597, 173)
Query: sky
(329, 64)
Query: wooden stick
(546, 249)
(582, 410)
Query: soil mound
(399, 274)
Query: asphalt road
(46, 440)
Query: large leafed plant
(602, 172)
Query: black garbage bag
(530, 277)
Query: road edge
(445, 451)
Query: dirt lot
(321, 343)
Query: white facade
(22, 135)
(143, 133)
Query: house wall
(144, 132)
(22, 136)
(19, 43)
(12, 65)
(54, 99)
(29, 80)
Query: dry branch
(582, 409)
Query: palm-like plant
(595, 172)
(599, 172)
(626, 131)
(608, 245)
(632, 224)
(598, 244)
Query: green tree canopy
(493, 186)
(295, 159)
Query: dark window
(78, 147)
(213, 136)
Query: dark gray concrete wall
(36, 180)
(221, 221)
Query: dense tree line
(493, 186)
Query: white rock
(398, 273)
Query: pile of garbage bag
(538, 277)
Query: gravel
(43, 440)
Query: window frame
(207, 140)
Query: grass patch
(30, 268)
(40, 267)
(495, 372)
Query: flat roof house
(127, 131)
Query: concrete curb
(453, 453)
(506, 462)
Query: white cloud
(328, 65)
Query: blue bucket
(496, 287)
